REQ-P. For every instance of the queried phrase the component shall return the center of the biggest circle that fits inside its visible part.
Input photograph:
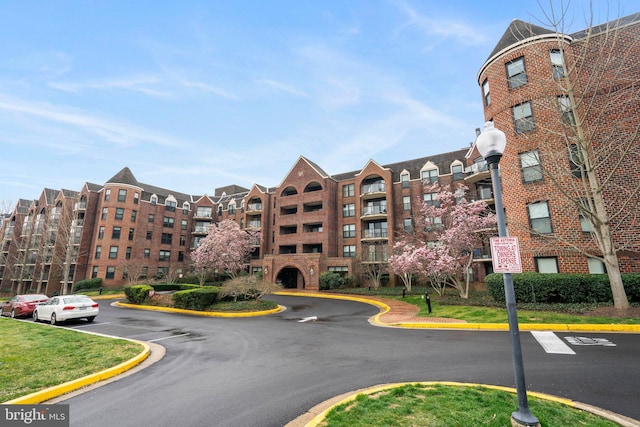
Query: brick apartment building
(313, 222)
(525, 86)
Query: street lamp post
(491, 144)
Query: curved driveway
(266, 371)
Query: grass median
(37, 356)
(437, 405)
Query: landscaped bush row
(138, 294)
(562, 288)
(87, 284)
(196, 299)
(165, 287)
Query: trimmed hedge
(138, 294)
(196, 299)
(164, 287)
(562, 288)
(95, 283)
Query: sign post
(505, 254)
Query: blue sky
(195, 95)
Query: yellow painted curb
(624, 421)
(590, 327)
(69, 386)
(201, 313)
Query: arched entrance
(290, 278)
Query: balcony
(81, 206)
(373, 190)
(477, 172)
(254, 207)
(374, 212)
(201, 229)
(482, 254)
(253, 224)
(375, 234)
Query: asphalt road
(266, 371)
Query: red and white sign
(505, 255)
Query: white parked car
(66, 307)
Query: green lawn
(41, 356)
(479, 314)
(437, 405)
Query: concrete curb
(200, 313)
(73, 385)
(375, 320)
(316, 415)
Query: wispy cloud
(136, 84)
(103, 128)
(209, 89)
(439, 30)
(282, 87)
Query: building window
(231, 208)
(147, 252)
(564, 103)
(596, 266)
(94, 272)
(585, 222)
(168, 222)
(180, 256)
(127, 254)
(122, 195)
(115, 234)
(105, 211)
(119, 213)
(456, 171)
(107, 194)
(144, 272)
(166, 238)
(546, 264)
(407, 224)
(431, 199)
(530, 166)
(523, 117)
(111, 273)
(183, 224)
(204, 212)
(576, 162)
(131, 231)
(539, 218)
(349, 251)
(404, 178)
(183, 240)
(406, 203)
(485, 92)
(516, 73)
(557, 63)
(151, 217)
(98, 252)
(349, 210)
(136, 198)
(101, 232)
(154, 200)
(349, 230)
(164, 255)
(134, 215)
(430, 176)
(149, 235)
(348, 190)
(113, 252)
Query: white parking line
(168, 338)
(551, 343)
(89, 325)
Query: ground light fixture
(491, 144)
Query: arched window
(289, 191)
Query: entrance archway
(290, 278)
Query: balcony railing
(477, 167)
(374, 210)
(375, 234)
(376, 187)
(254, 207)
(482, 253)
(253, 224)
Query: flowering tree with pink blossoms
(440, 248)
(226, 248)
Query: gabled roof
(516, 32)
(229, 190)
(125, 176)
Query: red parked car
(22, 305)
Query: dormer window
(430, 176)
(154, 199)
(404, 179)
